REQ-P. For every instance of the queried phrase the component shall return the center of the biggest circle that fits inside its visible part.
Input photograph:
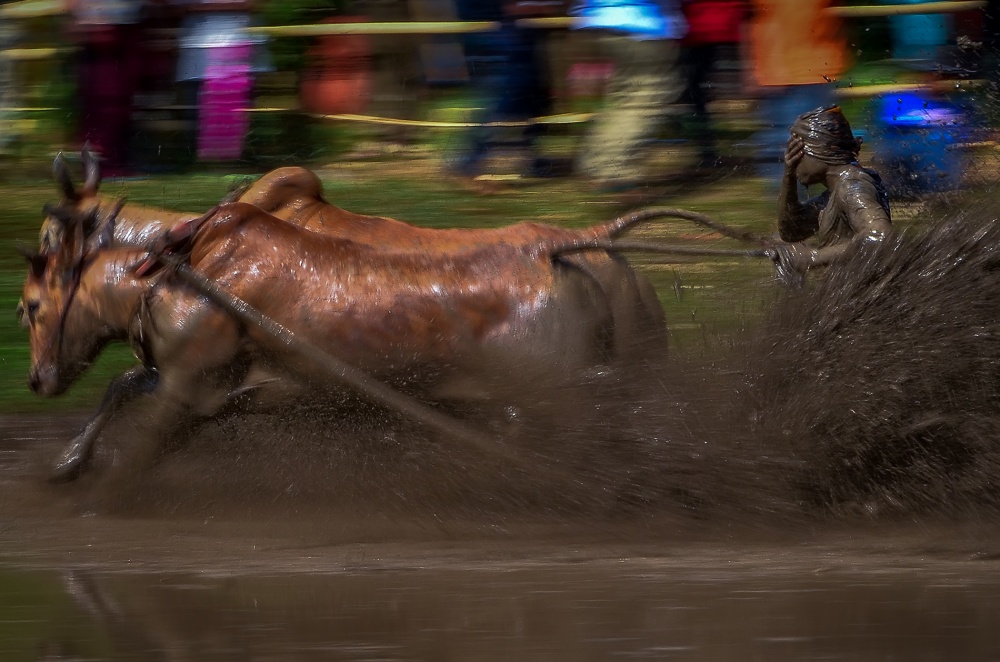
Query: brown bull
(285, 191)
(296, 195)
(429, 319)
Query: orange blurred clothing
(795, 42)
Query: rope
(705, 221)
(565, 118)
(667, 249)
(286, 340)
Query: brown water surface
(388, 584)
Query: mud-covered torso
(857, 190)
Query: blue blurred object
(915, 140)
(918, 36)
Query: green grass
(705, 300)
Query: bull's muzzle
(44, 381)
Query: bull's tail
(615, 228)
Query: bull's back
(398, 236)
(359, 302)
(640, 326)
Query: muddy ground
(180, 525)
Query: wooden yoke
(174, 241)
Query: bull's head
(83, 202)
(60, 348)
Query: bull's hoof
(70, 464)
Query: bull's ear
(60, 213)
(91, 171)
(104, 234)
(60, 172)
(36, 260)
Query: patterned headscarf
(827, 135)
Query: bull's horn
(35, 259)
(60, 172)
(91, 171)
(105, 232)
(116, 210)
(25, 250)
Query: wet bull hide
(434, 321)
(295, 195)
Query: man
(108, 69)
(854, 208)
(508, 70)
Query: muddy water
(177, 579)
(833, 498)
(597, 610)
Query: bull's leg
(123, 389)
(164, 420)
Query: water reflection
(590, 611)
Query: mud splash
(873, 394)
(651, 443)
(883, 381)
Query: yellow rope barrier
(25, 54)
(892, 88)
(566, 118)
(557, 22)
(407, 27)
(31, 9)
(901, 10)
(563, 119)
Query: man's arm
(796, 221)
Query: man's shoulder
(855, 179)
(861, 187)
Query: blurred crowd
(200, 59)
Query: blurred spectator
(508, 70)
(642, 38)
(107, 73)
(915, 134)
(214, 69)
(712, 25)
(922, 37)
(154, 142)
(796, 53)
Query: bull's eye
(26, 313)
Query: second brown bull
(295, 195)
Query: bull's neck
(136, 225)
(111, 294)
